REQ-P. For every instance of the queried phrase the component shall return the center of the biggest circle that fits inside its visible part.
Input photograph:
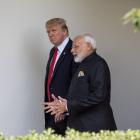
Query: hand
(60, 107)
(45, 104)
(59, 118)
(50, 106)
(57, 107)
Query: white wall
(24, 49)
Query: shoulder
(97, 65)
(70, 41)
(100, 61)
(69, 45)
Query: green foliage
(71, 134)
(133, 17)
(2, 137)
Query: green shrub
(75, 135)
(1, 137)
(133, 17)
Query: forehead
(53, 26)
(78, 41)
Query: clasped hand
(57, 107)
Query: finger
(47, 107)
(57, 118)
(50, 103)
(54, 112)
(54, 97)
(61, 99)
(50, 109)
(57, 112)
(45, 103)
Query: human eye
(54, 30)
(75, 47)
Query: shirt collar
(63, 44)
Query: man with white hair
(88, 100)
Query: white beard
(77, 59)
(80, 57)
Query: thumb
(61, 99)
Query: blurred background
(24, 49)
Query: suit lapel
(49, 61)
(62, 57)
(60, 60)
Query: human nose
(72, 50)
(49, 34)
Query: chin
(77, 59)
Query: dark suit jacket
(60, 83)
(89, 96)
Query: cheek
(79, 50)
(58, 35)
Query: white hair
(89, 39)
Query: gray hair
(89, 39)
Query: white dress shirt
(61, 47)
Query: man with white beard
(88, 100)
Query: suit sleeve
(99, 90)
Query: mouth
(52, 39)
(74, 54)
